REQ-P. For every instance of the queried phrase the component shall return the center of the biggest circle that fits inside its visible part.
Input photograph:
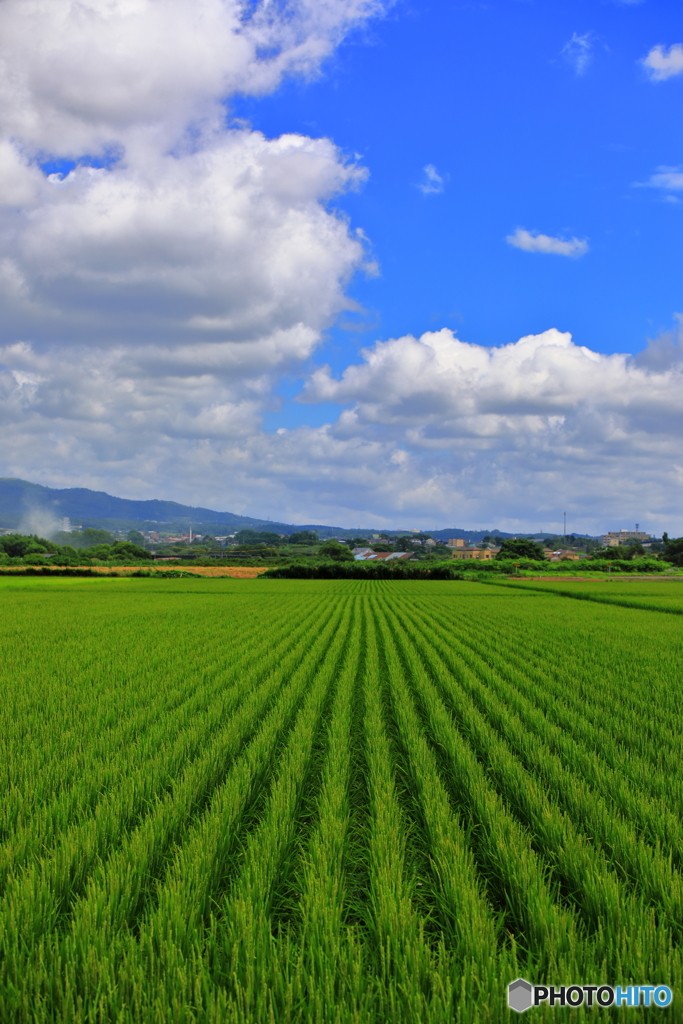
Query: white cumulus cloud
(532, 241)
(521, 427)
(431, 430)
(191, 258)
(78, 76)
(233, 241)
(151, 297)
(153, 288)
(661, 63)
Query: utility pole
(565, 525)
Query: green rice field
(337, 802)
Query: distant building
(617, 537)
(383, 556)
(455, 542)
(482, 554)
(562, 556)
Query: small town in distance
(412, 544)
(76, 545)
(42, 527)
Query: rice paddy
(336, 802)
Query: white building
(617, 537)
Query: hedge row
(451, 571)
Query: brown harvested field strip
(616, 578)
(236, 572)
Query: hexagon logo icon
(520, 995)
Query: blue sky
(525, 129)
(281, 266)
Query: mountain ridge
(22, 501)
(19, 499)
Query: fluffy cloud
(532, 241)
(431, 430)
(184, 229)
(232, 242)
(661, 63)
(527, 426)
(150, 297)
(79, 76)
(453, 388)
(150, 288)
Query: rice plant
(336, 801)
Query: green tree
(124, 550)
(17, 545)
(67, 555)
(338, 552)
(209, 542)
(303, 537)
(89, 538)
(249, 537)
(135, 537)
(609, 553)
(673, 549)
(101, 552)
(521, 547)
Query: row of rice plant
(332, 802)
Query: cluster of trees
(624, 552)
(259, 538)
(98, 545)
(673, 549)
(336, 551)
(520, 547)
(302, 538)
(415, 542)
(198, 547)
(32, 550)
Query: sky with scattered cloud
(297, 259)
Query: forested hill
(19, 498)
(23, 503)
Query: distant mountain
(38, 509)
(27, 502)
